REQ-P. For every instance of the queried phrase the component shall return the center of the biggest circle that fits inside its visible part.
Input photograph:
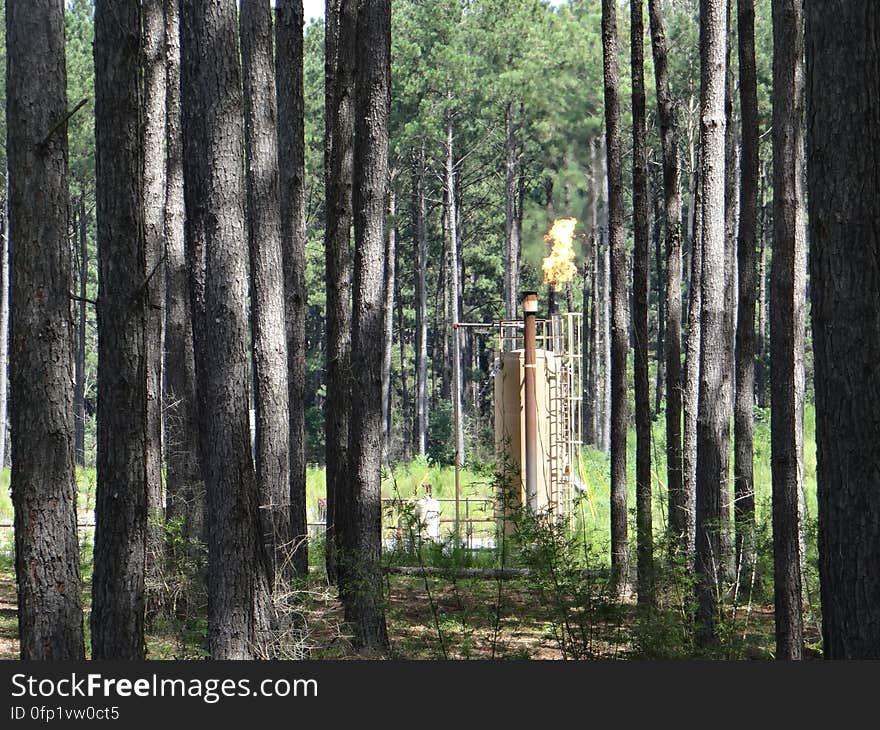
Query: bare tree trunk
(761, 376)
(214, 193)
(743, 424)
(267, 295)
(291, 168)
(420, 240)
(692, 373)
(713, 423)
(511, 229)
(50, 619)
(787, 321)
(619, 303)
(340, 33)
(121, 502)
(154, 81)
(641, 234)
(659, 350)
(844, 142)
(363, 587)
(678, 503)
(185, 488)
(454, 254)
(79, 388)
(731, 212)
(388, 314)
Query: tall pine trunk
(268, 327)
(420, 244)
(340, 34)
(185, 488)
(363, 588)
(79, 388)
(511, 229)
(43, 481)
(214, 193)
(678, 502)
(743, 423)
(713, 424)
(388, 316)
(291, 166)
(121, 501)
(641, 234)
(843, 121)
(154, 81)
(619, 304)
(787, 321)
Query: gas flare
(559, 267)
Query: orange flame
(559, 267)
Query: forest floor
(444, 619)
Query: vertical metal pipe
(530, 310)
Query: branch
(64, 120)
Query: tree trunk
(405, 403)
(787, 320)
(659, 350)
(388, 314)
(678, 502)
(4, 333)
(761, 376)
(511, 229)
(214, 189)
(79, 388)
(267, 293)
(121, 501)
(185, 488)
(43, 478)
(713, 423)
(363, 589)
(641, 234)
(692, 373)
(154, 80)
(420, 241)
(844, 142)
(731, 213)
(341, 19)
(454, 256)
(619, 304)
(743, 418)
(291, 167)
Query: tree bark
(43, 480)
(388, 317)
(267, 293)
(744, 402)
(454, 265)
(341, 19)
(185, 488)
(692, 372)
(660, 342)
(122, 498)
(619, 304)
(678, 503)
(289, 56)
(215, 235)
(641, 235)
(511, 229)
(363, 589)
(79, 388)
(154, 81)
(787, 320)
(713, 424)
(844, 142)
(420, 241)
